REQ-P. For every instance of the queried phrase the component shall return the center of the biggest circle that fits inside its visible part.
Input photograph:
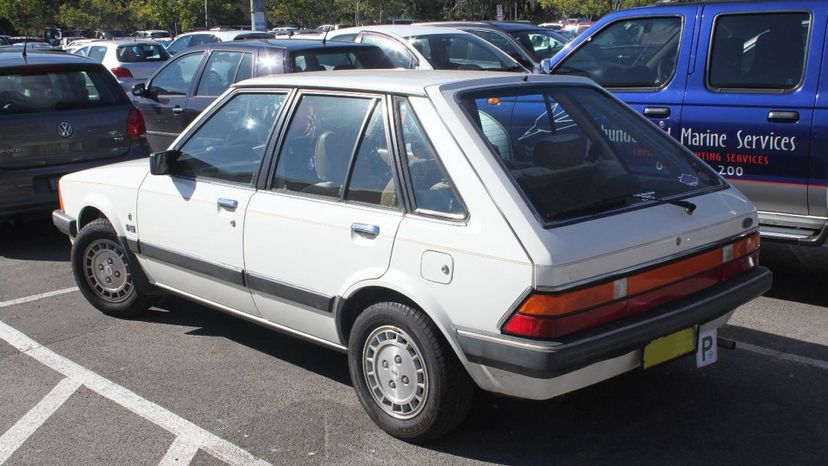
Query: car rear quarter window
(630, 53)
(575, 152)
(58, 90)
(758, 51)
(137, 53)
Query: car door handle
(657, 112)
(229, 204)
(783, 117)
(177, 109)
(365, 229)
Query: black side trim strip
(221, 272)
(290, 292)
(133, 245)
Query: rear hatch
(141, 59)
(61, 114)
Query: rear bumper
(27, 190)
(550, 359)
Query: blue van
(742, 83)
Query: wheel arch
(98, 206)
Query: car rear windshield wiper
(617, 201)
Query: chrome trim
(256, 320)
(513, 308)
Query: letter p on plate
(706, 347)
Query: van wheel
(405, 375)
(104, 272)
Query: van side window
(634, 53)
(433, 190)
(320, 141)
(758, 51)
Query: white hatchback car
(531, 235)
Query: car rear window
(575, 152)
(47, 91)
(340, 59)
(137, 53)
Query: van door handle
(365, 229)
(657, 112)
(178, 109)
(783, 117)
(229, 204)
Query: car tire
(107, 274)
(419, 390)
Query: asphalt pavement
(187, 384)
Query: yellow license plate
(669, 347)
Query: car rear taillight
(544, 315)
(121, 73)
(135, 124)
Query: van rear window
(575, 152)
(49, 91)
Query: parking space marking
(180, 427)
(783, 356)
(35, 297)
(31, 421)
(182, 451)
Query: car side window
(500, 42)
(633, 53)
(759, 51)
(318, 145)
(372, 178)
(396, 52)
(433, 190)
(175, 78)
(245, 68)
(179, 44)
(230, 145)
(96, 53)
(218, 73)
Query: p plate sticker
(688, 179)
(706, 351)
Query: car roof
(41, 58)
(223, 34)
(694, 4)
(401, 30)
(288, 44)
(505, 26)
(408, 82)
(117, 42)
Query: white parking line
(180, 427)
(29, 299)
(182, 451)
(783, 356)
(28, 424)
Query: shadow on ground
(34, 239)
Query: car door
(190, 222)
(749, 106)
(329, 215)
(222, 68)
(641, 59)
(165, 98)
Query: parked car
(5, 40)
(58, 114)
(742, 84)
(131, 61)
(159, 35)
(526, 43)
(429, 47)
(194, 39)
(184, 87)
(442, 228)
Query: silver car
(132, 61)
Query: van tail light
(121, 72)
(135, 124)
(544, 315)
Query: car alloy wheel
(106, 270)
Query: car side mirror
(546, 66)
(161, 163)
(139, 90)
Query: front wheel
(105, 274)
(405, 375)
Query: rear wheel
(104, 272)
(405, 375)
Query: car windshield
(136, 53)
(575, 152)
(462, 52)
(539, 43)
(57, 91)
(340, 59)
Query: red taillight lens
(121, 72)
(556, 315)
(135, 124)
